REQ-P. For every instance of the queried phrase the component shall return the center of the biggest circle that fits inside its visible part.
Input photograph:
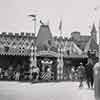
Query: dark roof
(93, 29)
(84, 38)
(75, 32)
(44, 34)
(91, 45)
(81, 43)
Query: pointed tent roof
(91, 45)
(74, 49)
(93, 29)
(44, 34)
(83, 39)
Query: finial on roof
(42, 22)
(93, 30)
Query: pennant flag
(60, 25)
(75, 49)
(32, 15)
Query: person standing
(1, 73)
(35, 73)
(73, 73)
(31, 74)
(17, 72)
(6, 74)
(81, 72)
(17, 75)
(10, 73)
(89, 73)
(49, 73)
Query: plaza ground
(44, 91)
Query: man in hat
(81, 72)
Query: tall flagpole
(60, 27)
(60, 57)
(33, 61)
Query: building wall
(75, 35)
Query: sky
(76, 15)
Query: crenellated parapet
(16, 43)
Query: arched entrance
(48, 67)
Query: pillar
(60, 66)
(35, 58)
(33, 61)
(31, 58)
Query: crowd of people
(86, 74)
(81, 73)
(18, 74)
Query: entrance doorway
(48, 68)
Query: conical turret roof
(93, 29)
(91, 45)
(44, 34)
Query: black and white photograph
(49, 49)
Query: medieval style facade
(58, 54)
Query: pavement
(44, 91)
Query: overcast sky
(76, 15)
